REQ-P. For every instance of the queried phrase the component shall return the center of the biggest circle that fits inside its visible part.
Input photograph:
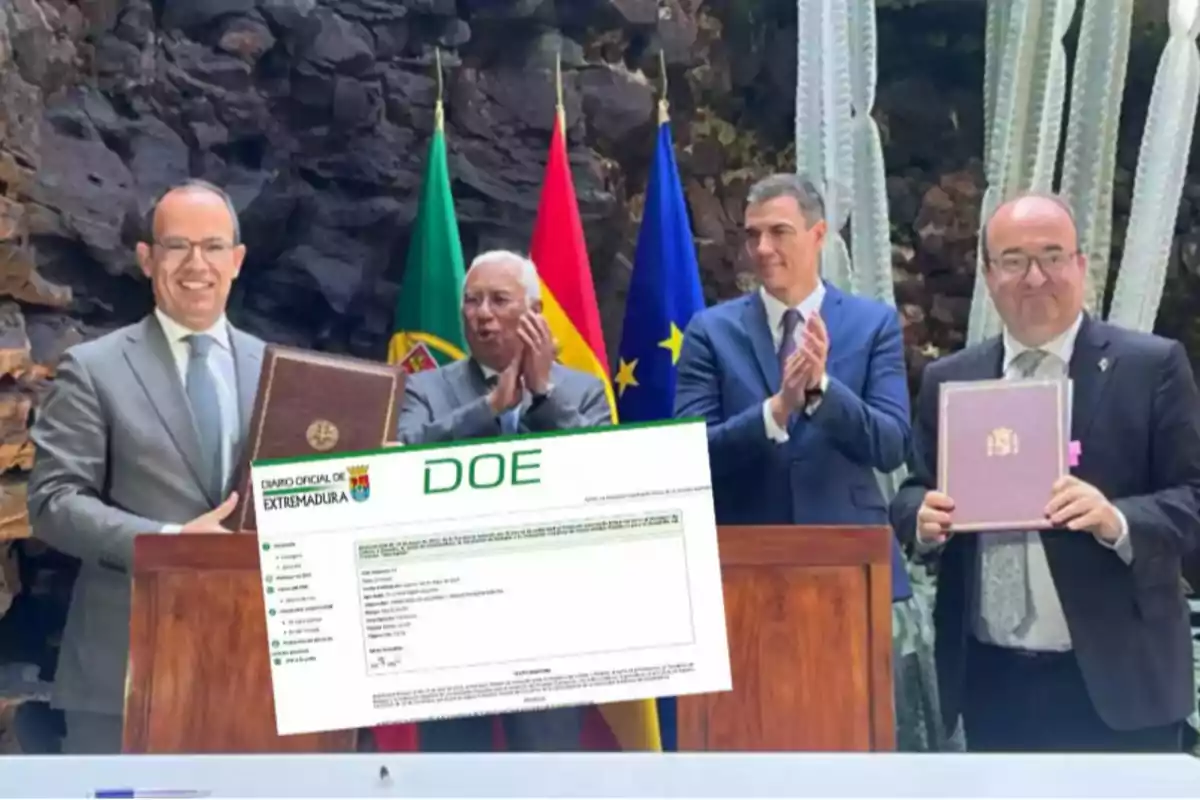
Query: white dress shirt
(1045, 629)
(220, 361)
(775, 310)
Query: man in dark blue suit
(1076, 638)
(803, 385)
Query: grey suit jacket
(117, 455)
(451, 403)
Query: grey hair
(1056, 199)
(797, 186)
(195, 184)
(529, 274)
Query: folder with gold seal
(1002, 444)
(310, 403)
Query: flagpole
(439, 114)
(664, 113)
(560, 108)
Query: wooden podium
(809, 620)
(199, 678)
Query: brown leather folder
(310, 403)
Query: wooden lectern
(199, 677)
(809, 620)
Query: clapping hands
(529, 369)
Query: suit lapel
(988, 365)
(247, 363)
(1089, 370)
(758, 330)
(466, 383)
(832, 312)
(470, 384)
(149, 356)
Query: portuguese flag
(428, 327)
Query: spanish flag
(560, 253)
(569, 306)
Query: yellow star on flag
(625, 377)
(674, 343)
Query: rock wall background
(315, 114)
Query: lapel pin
(1103, 364)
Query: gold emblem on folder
(322, 435)
(1002, 442)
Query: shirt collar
(775, 307)
(176, 332)
(1061, 346)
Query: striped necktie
(787, 345)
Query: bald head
(1035, 272)
(195, 191)
(193, 253)
(1025, 208)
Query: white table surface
(628, 775)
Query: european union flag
(664, 293)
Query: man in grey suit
(510, 384)
(140, 433)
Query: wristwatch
(813, 396)
(541, 397)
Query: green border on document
(522, 437)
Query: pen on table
(156, 794)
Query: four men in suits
(510, 384)
(139, 433)
(1076, 638)
(803, 385)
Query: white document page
(491, 576)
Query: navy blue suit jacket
(824, 474)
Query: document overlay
(489, 576)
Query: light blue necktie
(206, 409)
(510, 421)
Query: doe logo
(484, 471)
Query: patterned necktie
(787, 346)
(206, 409)
(1004, 568)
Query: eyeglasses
(211, 250)
(1016, 265)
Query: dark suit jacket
(1138, 424)
(825, 473)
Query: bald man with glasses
(1074, 638)
(140, 433)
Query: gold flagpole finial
(664, 113)
(439, 113)
(560, 107)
